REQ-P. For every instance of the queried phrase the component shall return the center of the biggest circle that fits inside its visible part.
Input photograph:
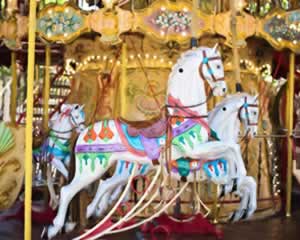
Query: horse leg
(60, 166)
(216, 150)
(149, 201)
(115, 194)
(108, 215)
(106, 186)
(103, 205)
(156, 214)
(246, 189)
(53, 198)
(67, 192)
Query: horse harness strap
(205, 62)
(64, 147)
(246, 105)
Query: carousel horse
(56, 148)
(237, 109)
(104, 143)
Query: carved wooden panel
(111, 24)
(58, 23)
(163, 21)
(281, 30)
(171, 21)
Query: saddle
(153, 128)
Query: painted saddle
(153, 128)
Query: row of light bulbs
(275, 174)
(266, 74)
(105, 58)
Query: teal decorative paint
(183, 167)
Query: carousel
(153, 117)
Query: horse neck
(226, 124)
(190, 94)
(62, 127)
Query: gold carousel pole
(46, 90)
(122, 101)
(236, 58)
(289, 113)
(13, 101)
(29, 119)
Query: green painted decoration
(85, 158)
(186, 138)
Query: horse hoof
(44, 234)
(52, 232)
(232, 217)
(89, 211)
(69, 226)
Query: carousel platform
(273, 228)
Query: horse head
(72, 114)
(77, 117)
(249, 114)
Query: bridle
(246, 106)
(74, 124)
(205, 62)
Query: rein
(192, 106)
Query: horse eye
(224, 108)
(254, 113)
(218, 66)
(180, 70)
(76, 107)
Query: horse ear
(82, 106)
(64, 107)
(215, 48)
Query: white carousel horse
(104, 143)
(56, 148)
(236, 109)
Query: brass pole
(13, 96)
(122, 103)
(289, 113)
(236, 58)
(29, 120)
(46, 89)
(215, 203)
